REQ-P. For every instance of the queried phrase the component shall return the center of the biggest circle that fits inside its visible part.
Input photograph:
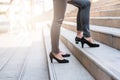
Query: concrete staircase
(26, 60)
(106, 13)
(23, 57)
(71, 71)
(104, 24)
(88, 63)
(85, 63)
(102, 63)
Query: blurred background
(22, 15)
(25, 15)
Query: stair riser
(103, 2)
(100, 8)
(115, 23)
(73, 19)
(72, 13)
(113, 13)
(106, 22)
(97, 72)
(105, 38)
(110, 7)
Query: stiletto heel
(58, 60)
(51, 58)
(82, 44)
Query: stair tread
(102, 13)
(113, 4)
(105, 17)
(70, 71)
(105, 57)
(100, 17)
(103, 29)
(107, 10)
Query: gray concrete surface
(23, 57)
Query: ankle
(80, 34)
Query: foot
(90, 39)
(58, 55)
(58, 58)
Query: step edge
(94, 60)
(107, 17)
(96, 30)
(52, 75)
(107, 10)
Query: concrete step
(36, 67)
(70, 8)
(101, 21)
(103, 2)
(97, 13)
(70, 19)
(115, 5)
(25, 57)
(14, 64)
(106, 35)
(6, 58)
(72, 13)
(70, 71)
(102, 62)
(106, 21)
(104, 13)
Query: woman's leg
(59, 11)
(79, 24)
(83, 17)
(83, 23)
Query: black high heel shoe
(77, 40)
(83, 41)
(58, 60)
(66, 55)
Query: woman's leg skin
(59, 11)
